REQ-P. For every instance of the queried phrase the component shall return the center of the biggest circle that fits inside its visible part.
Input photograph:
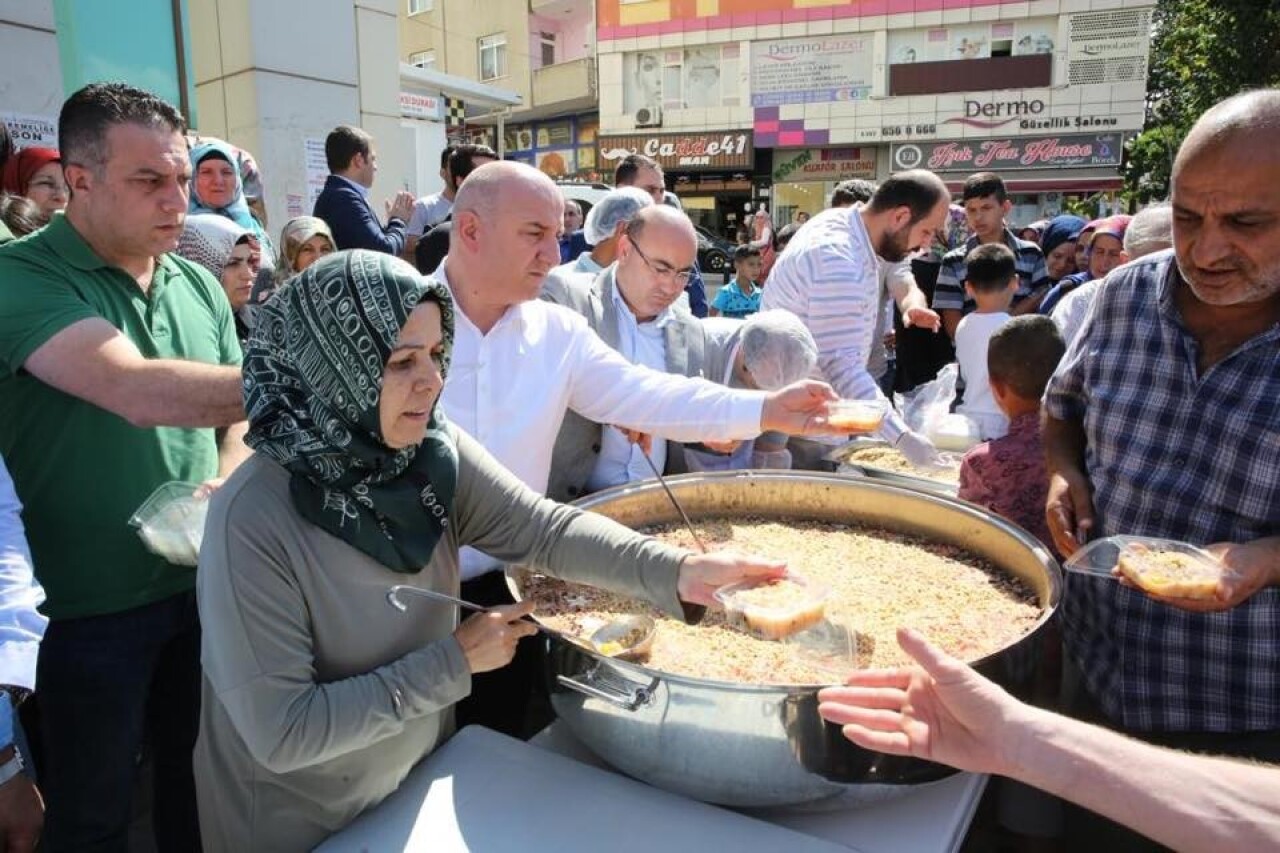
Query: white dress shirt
(21, 624)
(621, 461)
(510, 389)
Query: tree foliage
(1201, 52)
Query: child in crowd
(741, 296)
(991, 281)
(1007, 475)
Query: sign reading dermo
(811, 70)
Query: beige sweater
(318, 696)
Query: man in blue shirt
(344, 201)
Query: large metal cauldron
(751, 745)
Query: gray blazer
(578, 444)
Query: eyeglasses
(50, 184)
(663, 270)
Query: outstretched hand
(941, 710)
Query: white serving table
(483, 792)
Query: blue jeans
(103, 682)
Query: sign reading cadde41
(683, 152)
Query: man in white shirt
(519, 364)
(829, 277)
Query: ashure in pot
(760, 745)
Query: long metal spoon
(607, 633)
(680, 509)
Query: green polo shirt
(79, 470)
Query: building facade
(541, 50)
(1043, 92)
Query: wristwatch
(12, 767)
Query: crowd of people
(411, 398)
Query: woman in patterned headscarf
(217, 187)
(318, 697)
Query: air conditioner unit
(524, 139)
(650, 116)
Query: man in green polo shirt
(117, 360)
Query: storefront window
(789, 199)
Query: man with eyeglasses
(637, 170)
(634, 306)
(520, 364)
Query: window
(548, 41)
(417, 7)
(493, 56)
(423, 59)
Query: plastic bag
(926, 404)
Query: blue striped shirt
(949, 291)
(1176, 454)
(829, 277)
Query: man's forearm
(914, 298)
(1064, 443)
(169, 392)
(1187, 802)
(951, 321)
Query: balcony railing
(564, 81)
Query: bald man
(1162, 421)
(519, 364)
(634, 306)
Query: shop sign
(824, 164)
(1123, 47)
(417, 105)
(814, 70)
(731, 149)
(1052, 152)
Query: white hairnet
(617, 206)
(777, 349)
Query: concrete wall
(30, 77)
(272, 73)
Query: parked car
(715, 254)
(585, 194)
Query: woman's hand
(702, 574)
(489, 640)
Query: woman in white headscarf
(231, 253)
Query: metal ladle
(684, 515)
(633, 635)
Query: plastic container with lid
(1164, 567)
(171, 522)
(857, 415)
(774, 608)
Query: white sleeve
(844, 301)
(898, 279)
(21, 624)
(608, 389)
(418, 221)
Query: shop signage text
(729, 150)
(823, 69)
(1054, 152)
(824, 164)
(415, 105)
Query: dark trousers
(105, 682)
(511, 700)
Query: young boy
(1007, 475)
(986, 204)
(991, 282)
(740, 297)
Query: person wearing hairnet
(766, 351)
(604, 226)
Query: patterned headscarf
(313, 371)
(238, 209)
(955, 232)
(208, 240)
(298, 231)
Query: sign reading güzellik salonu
(713, 151)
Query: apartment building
(541, 50)
(775, 101)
